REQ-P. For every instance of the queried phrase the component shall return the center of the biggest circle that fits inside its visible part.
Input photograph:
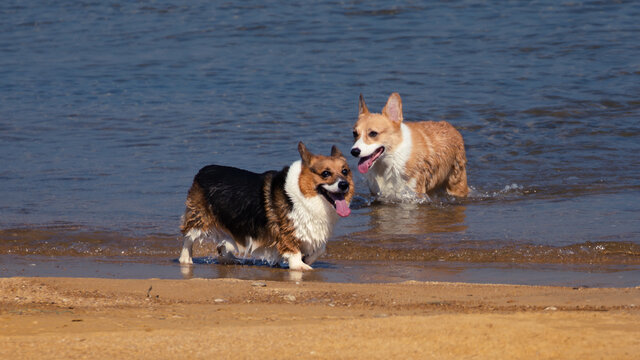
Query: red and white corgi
(277, 216)
(406, 158)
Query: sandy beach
(228, 318)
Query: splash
(509, 190)
(512, 190)
(406, 197)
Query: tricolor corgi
(280, 217)
(400, 158)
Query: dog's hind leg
(225, 249)
(197, 222)
(457, 180)
(295, 261)
(186, 255)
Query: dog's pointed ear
(305, 155)
(335, 152)
(362, 107)
(393, 108)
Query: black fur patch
(237, 200)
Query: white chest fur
(313, 217)
(387, 178)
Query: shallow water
(107, 110)
(380, 271)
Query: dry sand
(70, 318)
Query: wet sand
(229, 318)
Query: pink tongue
(342, 208)
(364, 164)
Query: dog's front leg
(295, 261)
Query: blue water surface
(108, 108)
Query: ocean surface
(109, 108)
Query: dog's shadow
(252, 269)
(210, 260)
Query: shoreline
(330, 271)
(231, 318)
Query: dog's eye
(373, 134)
(355, 134)
(345, 172)
(325, 174)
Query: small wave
(73, 241)
(381, 12)
(591, 253)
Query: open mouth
(366, 162)
(337, 200)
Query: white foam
(509, 189)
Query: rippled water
(107, 110)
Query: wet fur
(433, 159)
(275, 216)
(263, 210)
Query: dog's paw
(296, 263)
(300, 267)
(185, 260)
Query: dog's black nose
(343, 185)
(355, 152)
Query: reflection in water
(186, 271)
(415, 219)
(208, 268)
(401, 271)
(295, 275)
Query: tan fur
(281, 229)
(437, 157)
(388, 131)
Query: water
(108, 109)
